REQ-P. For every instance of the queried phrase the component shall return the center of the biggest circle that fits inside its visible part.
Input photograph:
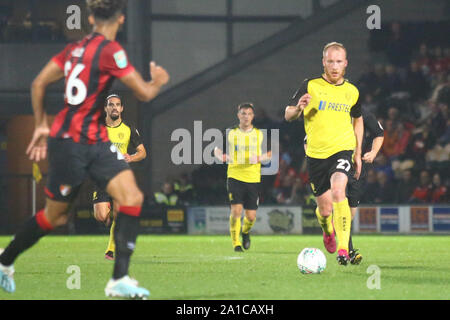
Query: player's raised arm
(374, 126)
(37, 149)
(146, 90)
(294, 112)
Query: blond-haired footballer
(333, 123)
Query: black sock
(125, 234)
(350, 243)
(27, 236)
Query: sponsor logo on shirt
(121, 59)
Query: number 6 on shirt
(74, 82)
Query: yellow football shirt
(328, 117)
(122, 135)
(242, 146)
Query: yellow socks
(342, 223)
(325, 222)
(247, 225)
(235, 230)
(111, 243)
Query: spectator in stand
(445, 138)
(284, 180)
(422, 193)
(439, 79)
(405, 187)
(184, 189)
(397, 46)
(441, 91)
(423, 59)
(439, 119)
(425, 111)
(447, 58)
(298, 192)
(284, 170)
(367, 81)
(402, 142)
(438, 61)
(416, 83)
(302, 194)
(284, 191)
(303, 172)
(166, 196)
(371, 187)
(393, 82)
(382, 163)
(393, 115)
(369, 105)
(263, 120)
(378, 83)
(385, 192)
(390, 138)
(423, 139)
(439, 192)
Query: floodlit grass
(206, 267)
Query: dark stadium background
(220, 53)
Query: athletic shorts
(70, 163)
(101, 196)
(321, 170)
(244, 193)
(355, 188)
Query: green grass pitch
(206, 267)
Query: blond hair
(333, 45)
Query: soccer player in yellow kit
(244, 160)
(121, 136)
(334, 126)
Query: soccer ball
(311, 260)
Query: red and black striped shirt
(89, 66)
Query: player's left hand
(127, 157)
(37, 149)
(358, 166)
(369, 157)
(254, 159)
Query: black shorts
(321, 170)
(244, 193)
(101, 196)
(355, 188)
(70, 163)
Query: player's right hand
(159, 74)
(37, 149)
(304, 101)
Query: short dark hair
(246, 105)
(106, 9)
(113, 95)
